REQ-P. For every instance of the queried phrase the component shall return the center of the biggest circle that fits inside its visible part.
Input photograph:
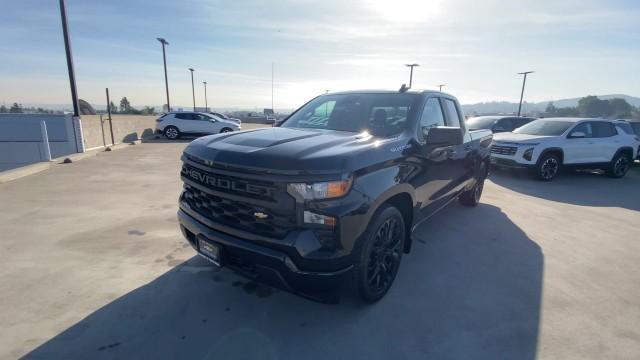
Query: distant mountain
(504, 107)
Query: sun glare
(406, 10)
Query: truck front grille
(503, 150)
(240, 215)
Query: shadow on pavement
(585, 188)
(470, 289)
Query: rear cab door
(606, 141)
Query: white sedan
(175, 124)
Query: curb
(14, 174)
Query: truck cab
(331, 194)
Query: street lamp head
(163, 41)
(411, 65)
(204, 82)
(526, 72)
(191, 69)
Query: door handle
(452, 152)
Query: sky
(575, 47)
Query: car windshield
(481, 122)
(379, 114)
(544, 127)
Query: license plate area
(210, 251)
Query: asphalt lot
(92, 266)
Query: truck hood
(520, 138)
(291, 151)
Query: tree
(592, 106)
(148, 110)
(114, 108)
(567, 112)
(3, 109)
(125, 106)
(620, 108)
(551, 109)
(86, 108)
(15, 108)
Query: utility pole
(193, 91)
(206, 105)
(166, 80)
(441, 86)
(113, 142)
(411, 74)
(524, 81)
(272, 88)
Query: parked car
(226, 117)
(175, 124)
(631, 127)
(546, 145)
(332, 193)
(497, 124)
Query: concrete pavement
(92, 265)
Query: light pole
(524, 81)
(441, 86)
(206, 105)
(166, 80)
(272, 87)
(67, 47)
(411, 74)
(193, 90)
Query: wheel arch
(552, 150)
(624, 149)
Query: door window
(504, 124)
(432, 116)
(602, 129)
(453, 116)
(184, 116)
(584, 128)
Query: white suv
(545, 145)
(175, 124)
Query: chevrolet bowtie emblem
(260, 215)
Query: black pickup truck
(331, 195)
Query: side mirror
(577, 135)
(212, 120)
(443, 136)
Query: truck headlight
(528, 154)
(320, 190)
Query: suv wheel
(171, 132)
(619, 165)
(548, 167)
(380, 254)
(226, 130)
(472, 196)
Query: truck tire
(547, 167)
(378, 260)
(472, 196)
(172, 133)
(619, 165)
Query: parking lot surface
(92, 265)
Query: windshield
(481, 122)
(544, 127)
(379, 114)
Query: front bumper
(265, 264)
